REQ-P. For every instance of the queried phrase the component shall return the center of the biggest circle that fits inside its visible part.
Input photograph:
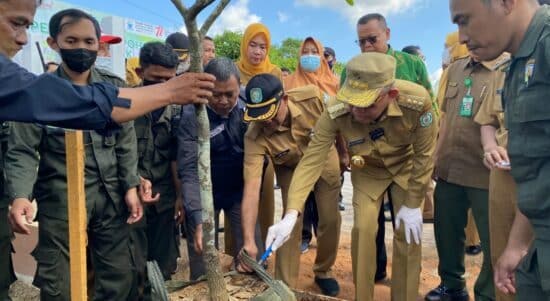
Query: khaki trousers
(287, 266)
(406, 258)
(502, 210)
(428, 212)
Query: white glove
(279, 233)
(412, 221)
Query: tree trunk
(216, 283)
(214, 275)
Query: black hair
(208, 38)
(283, 69)
(158, 53)
(411, 49)
(73, 15)
(222, 68)
(369, 17)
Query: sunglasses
(372, 40)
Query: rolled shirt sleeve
(48, 99)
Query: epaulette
(412, 102)
(304, 93)
(336, 108)
(106, 73)
(412, 96)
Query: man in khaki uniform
(281, 127)
(35, 166)
(389, 126)
(462, 180)
(502, 188)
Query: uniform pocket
(109, 141)
(48, 274)
(452, 90)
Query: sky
(418, 22)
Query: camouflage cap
(366, 76)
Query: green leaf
(350, 2)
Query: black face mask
(78, 60)
(147, 82)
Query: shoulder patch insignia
(426, 119)
(337, 110)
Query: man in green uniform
(390, 130)
(38, 152)
(281, 127)
(373, 35)
(49, 99)
(521, 28)
(462, 179)
(155, 134)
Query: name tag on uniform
(217, 130)
(356, 142)
(529, 70)
(282, 154)
(376, 134)
(466, 106)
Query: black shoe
(304, 247)
(380, 276)
(328, 286)
(341, 206)
(442, 293)
(277, 186)
(473, 250)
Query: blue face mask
(310, 62)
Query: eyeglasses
(372, 40)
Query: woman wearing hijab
(313, 69)
(254, 60)
(254, 57)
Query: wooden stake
(74, 148)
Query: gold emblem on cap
(358, 161)
(358, 84)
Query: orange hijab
(458, 50)
(323, 78)
(245, 67)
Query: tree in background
(287, 54)
(228, 44)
